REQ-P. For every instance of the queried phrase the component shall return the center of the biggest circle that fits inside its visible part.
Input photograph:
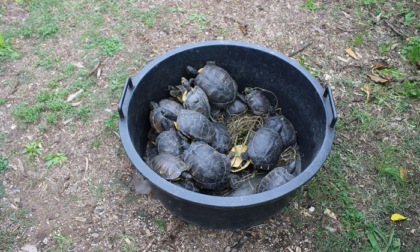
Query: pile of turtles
(210, 138)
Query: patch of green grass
(411, 51)
(111, 122)
(2, 101)
(394, 72)
(357, 40)
(311, 5)
(200, 20)
(33, 149)
(53, 159)
(387, 162)
(364, 119)
(379, 241)
(385, 47)
(160, 223)
(40, 25)
(7, 52)
(148, 17)
(97, 188)
(410, 89)
(109, 46)
(4, 163)
(63, 243)
(27, 113)
(127, 244)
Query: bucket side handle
(328, 92)
(128, 84)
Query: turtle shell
(287, 133)
(264, 148)
(169, 142)
(170, 105)
(275, 178)
(258, 102)
(195, 126)
(159, 122)
(218, 85)
(209, 168)
(222, 141)
(197, 100)
(169, 166)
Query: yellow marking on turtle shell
(184, 96)
(201, 70)
(176, 125)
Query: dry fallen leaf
(380, 66)
(403, 173)
(71, 97)
(75, 104)
(350, 52)
(367, 88)
(244, 29)
(398, 217)
(330, 214)
(377, 79)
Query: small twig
(303, 47)
(402, 35)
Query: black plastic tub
(302, 99)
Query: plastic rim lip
(221, 201)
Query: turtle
(245, 185)
(216, 82)
(157, 120)
(169, 142)
(284, 127)
(192, 98)
(193, 125)
(237, 107)
(170, 167)
(209, 168)
(223, 140)
(171, 105)
(264, 148)
(257, 102)
(275, 178)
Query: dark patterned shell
(237, 107)
(218, 85)
(264, 148)
(195, 126)
(275, 178)
(197, 100)
(258, 102)
(222, 141)
(158, 122)
(209, 168)
(287, 133)
(168, 166)
(170, 105)
(169, 142)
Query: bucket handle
(128, 84)
(328, 92)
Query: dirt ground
(87, 203)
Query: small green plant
(109, 46)
(148, 17)
(97, 188)
(54, 159)
(33, 149)
(6, 50)
(160, 223)
(357, 40)
(201, 21)
(410, 89)
(177, 9)
(27, 113)
(411, 51)
(380, 242)
(385, 47)
(111, 122)
(310, 5)
(63, 243)
(4, 163)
